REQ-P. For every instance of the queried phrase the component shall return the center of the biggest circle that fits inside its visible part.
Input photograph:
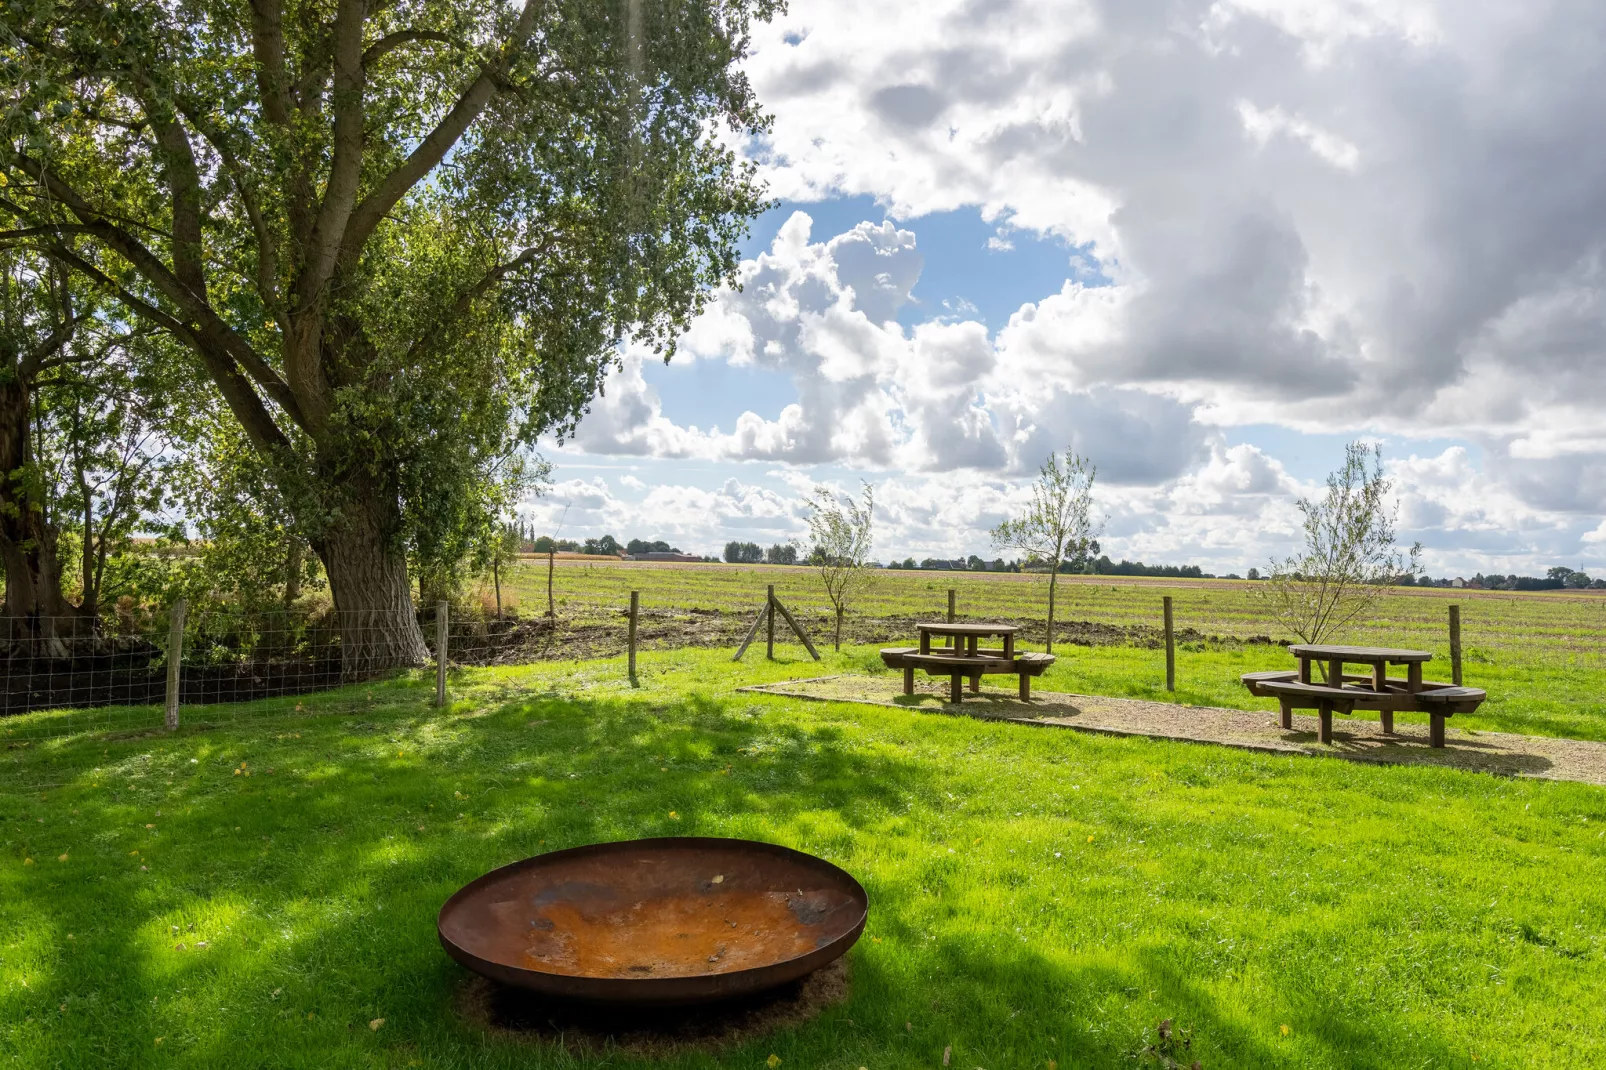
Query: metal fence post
(950, 605)
(635, 608)
(1170, 650)
(442, 613)
(1455, 645)
(175, 659)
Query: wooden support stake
(751, 632)
(442, 613)
(815, 654)
(1170, 650)
(950, 605)
(635, 608)
(1455, 645)
(769, 633)
(175, 660)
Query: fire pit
(661, 921)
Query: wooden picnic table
(964, 638)
(1373, 691)
(963, 657)
(1378, 658)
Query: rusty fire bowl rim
(660, 991)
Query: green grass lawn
(1035, 894)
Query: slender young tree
(841, 530)
(1058, 524)
(1350, 556)
(385, 232)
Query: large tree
(386, 231)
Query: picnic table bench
(1374, 690)
(963, 657)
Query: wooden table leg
(1380, 676)
(1287, 714)
(1413, 677)
(1304, 670)
(1387, 717)
(908, 680)
(1435, 729)
(925, 642)
(956, 692)
(1335, 674)
(975, 684)
(1009, 645)
(1326, 733)
(1025, 688)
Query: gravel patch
(1354, 738)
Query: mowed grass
(1036, 894)
(1540, 655)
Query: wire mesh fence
(210, 664)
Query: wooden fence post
(175, 660)
(950, 605)
(1170, 650)
(769, 637)
(442, 613)
(1455, 645)
(635, 608)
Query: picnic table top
(1359, 653)
(968, 628)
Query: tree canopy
(399, 241)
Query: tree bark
(293, 557)
(367, 571)
(1053, 579)
(35, 611)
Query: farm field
(263, 893)
(1540, 655)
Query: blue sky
(1199, 247)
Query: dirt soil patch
(1354, 738)
(648, 1032)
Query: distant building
(1458, 582)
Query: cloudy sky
(1204, 244)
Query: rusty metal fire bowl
(662, 921)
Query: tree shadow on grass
(312, 877)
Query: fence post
(635, 607)
(175, 659)
(769, 639)
(1455, 645)
(442, 621)
(950, 605)
(1170, 650)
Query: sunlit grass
(1035, 894)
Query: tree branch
(209, 331)
(392, 41)
(466, 299)
(435, 145)
(235, 387)
(345, 164)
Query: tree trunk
(367, 571)
(293, 557)
(35, 613)
(839, 628)
(1053, 578)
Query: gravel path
(1353, 738)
